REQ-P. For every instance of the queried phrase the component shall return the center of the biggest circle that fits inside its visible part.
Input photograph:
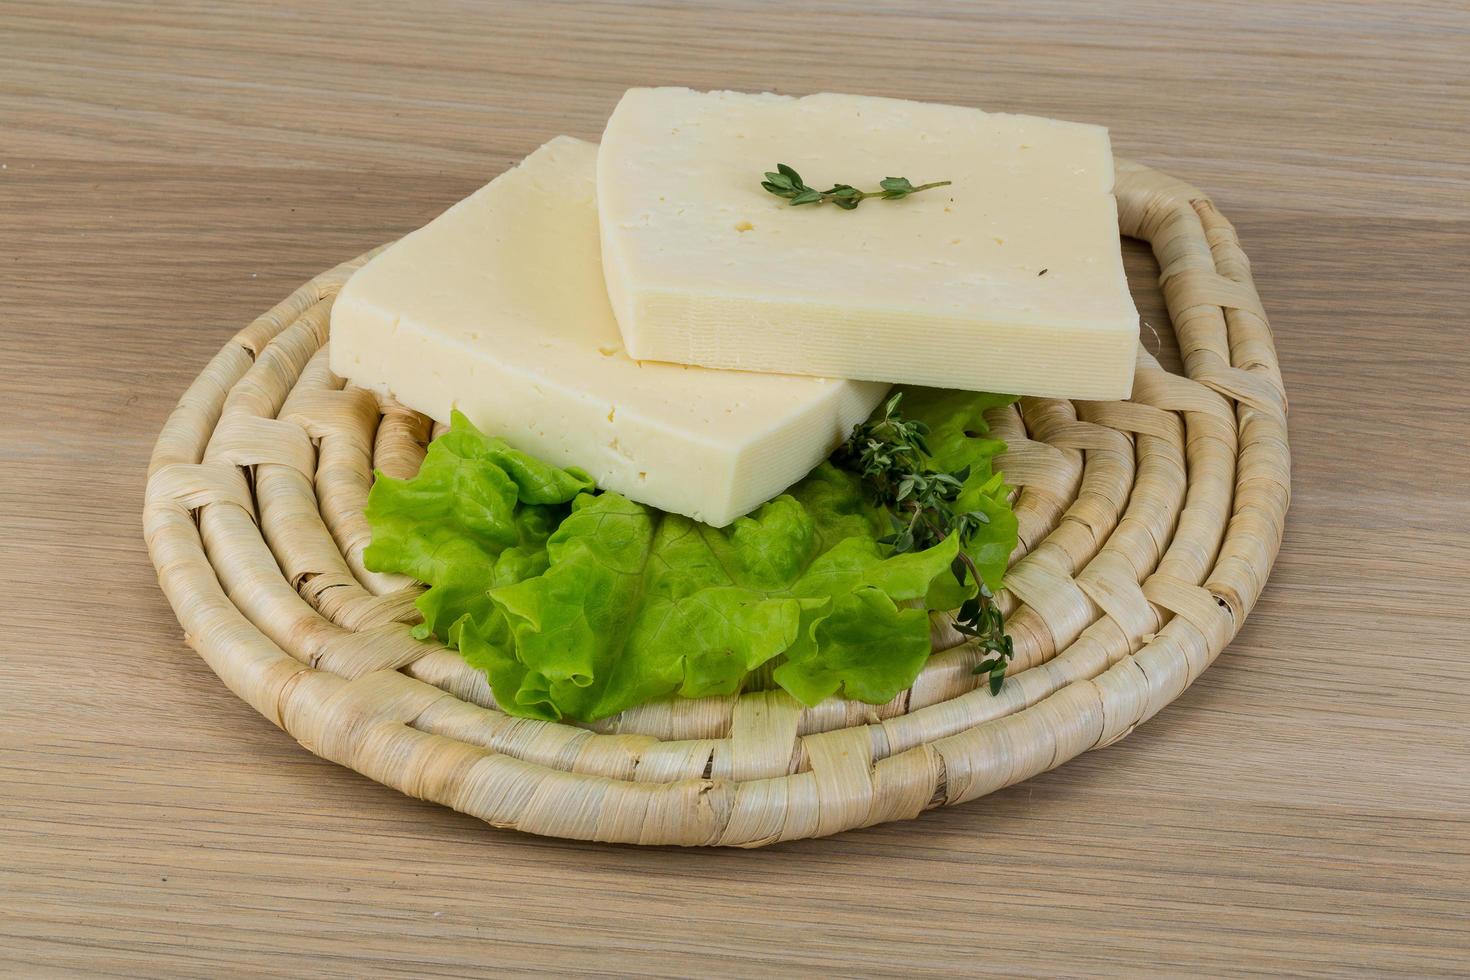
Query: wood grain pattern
(172, 169)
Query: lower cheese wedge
(1009, 279)
(498, 308)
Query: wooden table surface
(168, 170)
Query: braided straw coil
(1147, 530)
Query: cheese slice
(1010, 279)
(497, 308)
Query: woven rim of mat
(1148, 528)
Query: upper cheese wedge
(497, 308)
(1011, 279)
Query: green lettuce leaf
(636, 604)
(477, 515)
(580, 605)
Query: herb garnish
(786, 182)
(891, 454)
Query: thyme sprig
(891, 454)
(786, 182)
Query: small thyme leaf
(891, 455)
(785, 182)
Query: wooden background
(168, 170)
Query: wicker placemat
(1148, 528)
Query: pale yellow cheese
(497, 307)
(1011, 279)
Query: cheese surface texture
(1011, 279)
(497, 308)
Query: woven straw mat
(1147, 530)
